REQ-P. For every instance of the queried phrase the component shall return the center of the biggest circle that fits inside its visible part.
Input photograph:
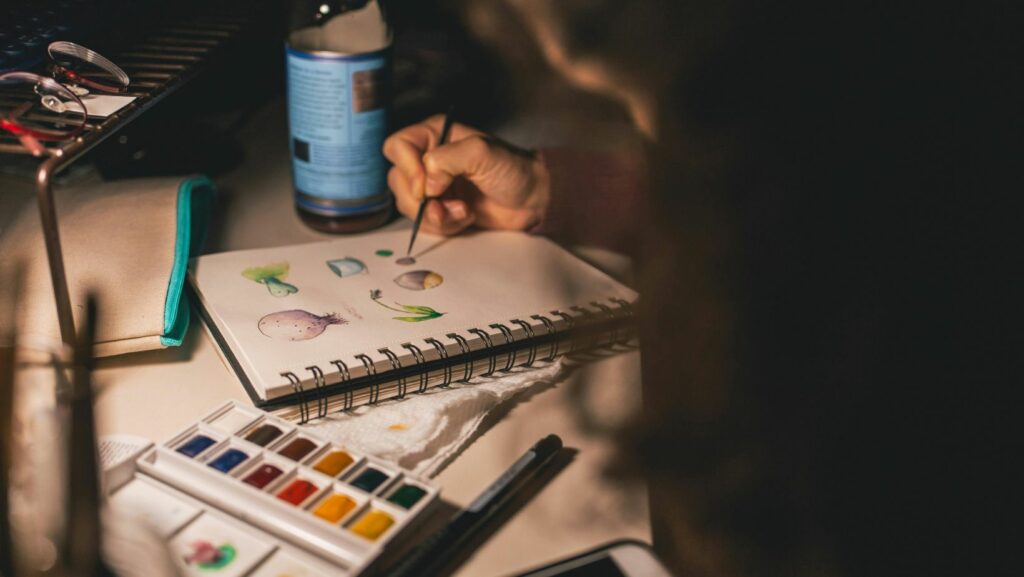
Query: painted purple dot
(406, 260)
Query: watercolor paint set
(244, 493)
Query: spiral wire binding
(570, 323)
(586, 317)
(492, 361)
(626, 308)
(464, 346)
(509, 340)
(442, 354)
(418, 355)
(550, 326)
(371, 370)
(396, 365)
(532, 355)
(297, 387)
(349, 399)
(610, 314)
(319, 383)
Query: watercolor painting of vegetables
(272, 275)
(422, 313)
(297, 325)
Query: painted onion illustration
(297, 325)
(418, 280)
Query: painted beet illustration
(272, 275)
(423, 313)
(297, 325)
(418, 280)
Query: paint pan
(228, 459)
(266, 471)
(196, 445)
(298, 490)
(373, 524)
(334, 462)
(297, 447)
(232, 420)
(265, 432)
(371, 478)
(338, 504)
(407, 495)
(197, 442)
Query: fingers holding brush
(481, 179)
(445, 216)
(405, 150)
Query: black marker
(431, 556)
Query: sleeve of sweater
(596, 198)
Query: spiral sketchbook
(327, 326)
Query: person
(485, 181)
(580, 197)
(819, 297)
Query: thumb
(468, 157)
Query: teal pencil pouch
(129, 243)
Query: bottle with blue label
(338, 59)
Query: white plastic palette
(244, 493)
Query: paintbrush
(448, 118)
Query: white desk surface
(158, 393)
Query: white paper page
(102, 105)
(488, 277)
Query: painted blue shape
(347, 266)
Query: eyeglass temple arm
(27, 140)
(79, 79)
(54, 254)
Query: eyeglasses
(82, 69)
(38, 109)
(43, 110)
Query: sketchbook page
(289, 308)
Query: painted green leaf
(262, 273)
(418, 309)
(425, 313)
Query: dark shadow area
(523, 496)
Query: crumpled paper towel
(425, 432)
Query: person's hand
(483, 180)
